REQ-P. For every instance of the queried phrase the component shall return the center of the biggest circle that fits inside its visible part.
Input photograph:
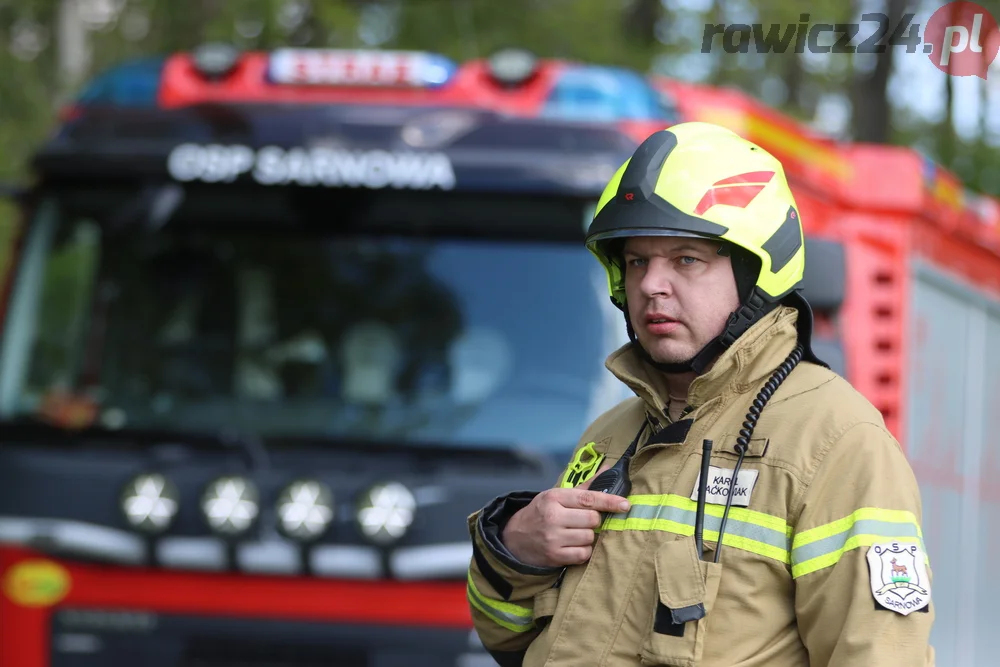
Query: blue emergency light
(599, 93)
(131, 84)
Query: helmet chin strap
(754, 306)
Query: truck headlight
(150, 502)
(385, 512)
(305, 509)
(230, 505)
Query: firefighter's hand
(557, 527)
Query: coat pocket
(686, 590)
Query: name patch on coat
(719, 480)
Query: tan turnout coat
(822, 564)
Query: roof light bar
(343, 67)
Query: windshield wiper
(27, 427)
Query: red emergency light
(334, 67)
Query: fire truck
(277, 322)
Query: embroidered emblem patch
(718, 486)
(899, 577)
(583, 466)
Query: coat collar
(740, 369)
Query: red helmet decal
(737, 190)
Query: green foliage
(9, 229)
(661, 35)
(590, 30)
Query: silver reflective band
(888, 530)
(774, 538)
(490, 609)
(762, 534)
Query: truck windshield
(437, 338)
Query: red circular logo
(962, 39)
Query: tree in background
(870, 90)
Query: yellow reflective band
(840, 525)
(738, 513)
(751, 531)
(821, 547)
(504, 614)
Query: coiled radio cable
(749, 424)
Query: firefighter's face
(680, 293)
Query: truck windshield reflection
(432, 340)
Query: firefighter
(735, 428)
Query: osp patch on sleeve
(585, 463)
(899, 578)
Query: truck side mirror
(824, 287)
(825, 278)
